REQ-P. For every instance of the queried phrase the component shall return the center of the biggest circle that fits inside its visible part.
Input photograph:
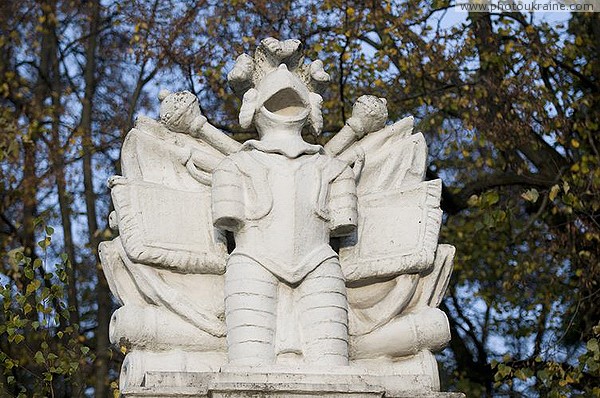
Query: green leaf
(39, 357)
(492, 197)
(543, 375)
(32, 286)
(520, 374)
(503, 371)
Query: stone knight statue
(362, 318)
(282, 198)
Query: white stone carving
(283, 307)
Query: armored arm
(228, 204)
(342, 204)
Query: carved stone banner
(283, 313)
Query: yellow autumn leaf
(531, 195)
(575, 168)
(553, 192)
(473, 200)
(574, 143)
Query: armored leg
(250, 312)
(324, 315)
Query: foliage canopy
(509, 105)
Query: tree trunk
(102, 291)
(77, 384)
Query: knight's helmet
(277, 85)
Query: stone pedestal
(280, 385)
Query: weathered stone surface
(283, 314)
(252, 384)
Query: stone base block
(257, 385)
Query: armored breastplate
(278, 208)
(292, 238)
